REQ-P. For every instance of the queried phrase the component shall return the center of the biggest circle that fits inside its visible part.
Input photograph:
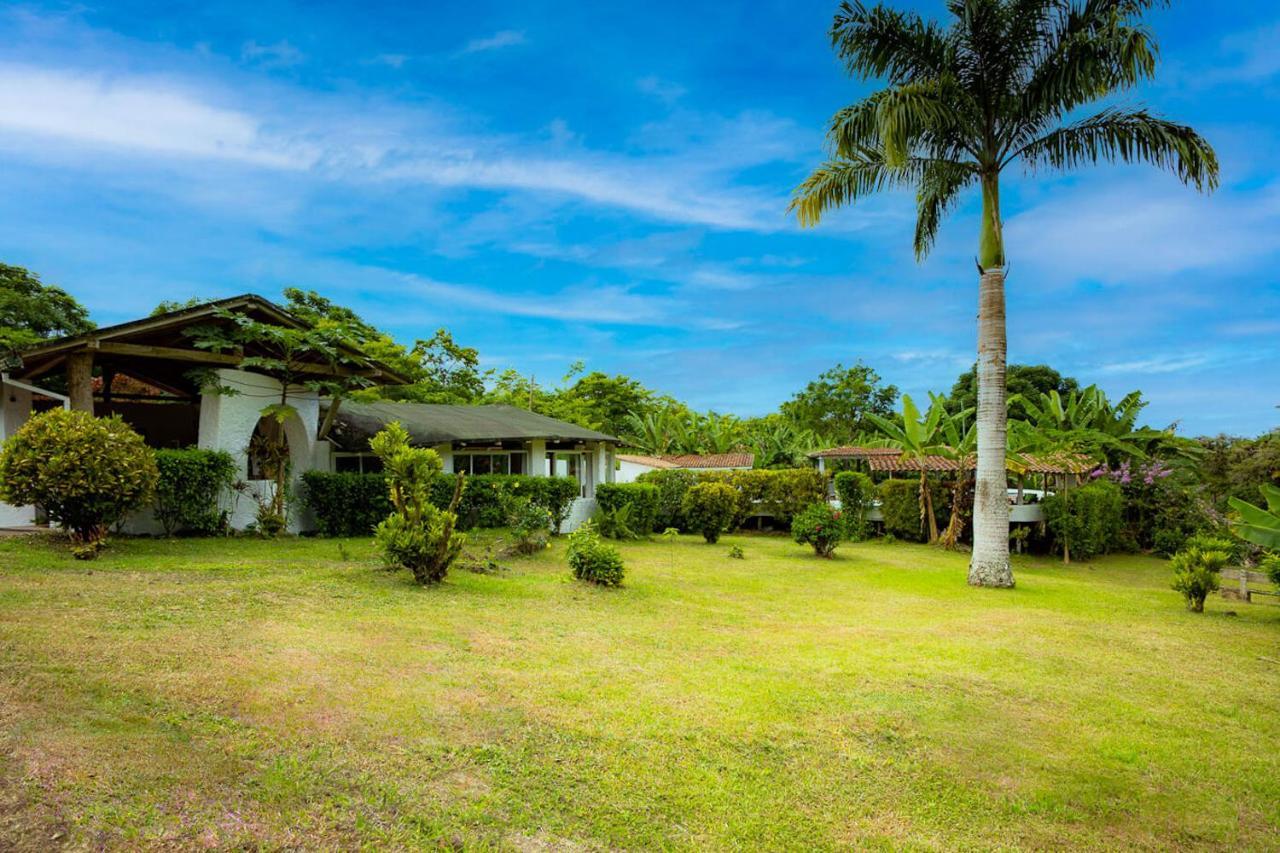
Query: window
(356, 463)
(489, 463)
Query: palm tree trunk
(990, 563)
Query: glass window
(346, 464)
(517, 463)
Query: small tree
(417, 535)
(86, 472)
(710, 509)
(593, 560)
(820, 526)
(855, 491)
(1195, 575)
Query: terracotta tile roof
(1052, 464)
(694, 460)
(650, 461)
(854, 452)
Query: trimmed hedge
(190, 489)
(643, 499)
(781, 494)
(1086, 521)
(353, 504)
(900, 505)
(710, 508)
(347, 504)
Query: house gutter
(44, 392)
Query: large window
(356, 463)
(489, 463)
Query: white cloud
(497, 41)
(139, 115)
(280, 54)
(1158, 364)
(337, 139)
(663, 90)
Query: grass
(229, 693)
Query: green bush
(779, 494)
(87, 473)
(190, 488)
(855, 491)
(1195, 575)
(529, 523)
(736, 553)
(710, 509)
(671, 486)
(417, 535)
(615, 523)
(1086, 521)
(900, 506)
(1271, 566)
(353, 504)
(641, 497)
(820, 526)
(347, 504)
(1232, 547)
(591, 559)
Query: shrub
(1086, 521)
(189, 490)
(529, 523)
(643, 499)
(710, 509)
(1271, 566)
(736, 553)
(347, 504)
(900, 506)
(416, 535)
(86, 472)
(820, 526)
(557, 494)
(1233, 548)
(671, 486)
(855, 491)
(615, 523)
(1195, 575)
(592, 560)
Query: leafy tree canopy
(1027, 380)
(32, 311)
(836, 404)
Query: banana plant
(917, 437)
(1257, 525)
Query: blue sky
(608, 182)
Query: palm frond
(883, 42)
(936, 195)
(1130, 137)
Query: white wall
(227, 423)
(17, 408)
(628, 471)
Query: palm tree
(999, 87)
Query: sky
(608, 182)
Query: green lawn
(241, 693)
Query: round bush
(86, 472)
(710, 508)
(592, 560)
(819, 525)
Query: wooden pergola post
(80, 380)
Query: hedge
(353, 504)
(900, 506)
(190, 490)
(856, 492)
(778, 493)
(643, 498)
(1086, 521)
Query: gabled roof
(429, 424)
(160, 339)
(694, 460)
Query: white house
(169, 406)
(631, 466)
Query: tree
(1026, 380)
(917, 438)
(835, 406)
(1001, 86)
(31, 311)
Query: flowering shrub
(821, 526)
(86, 472)
(1162, 506)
